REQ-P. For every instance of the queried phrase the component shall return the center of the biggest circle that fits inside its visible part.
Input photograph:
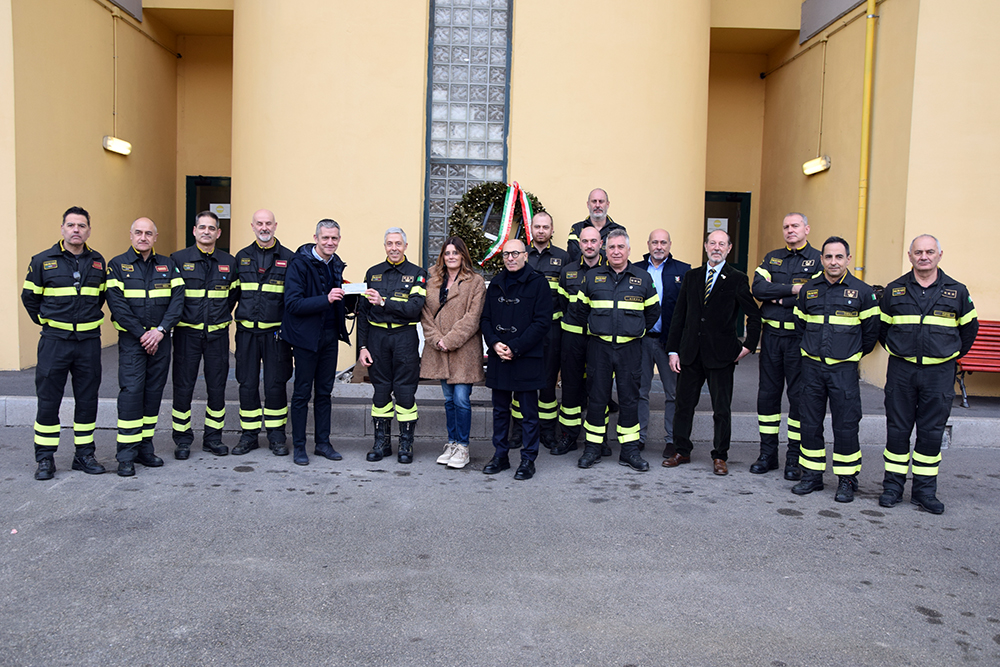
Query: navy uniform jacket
(144, 294)
(616, 307)
(404, 288)
(550, 262)
(772, 285)
(573, 242)
(210, 289)
(261, 273)
(66, 306)
(838, 322)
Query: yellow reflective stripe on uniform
(417, 289)
(89, 326)
(59, 291)
(926, 460)
(830, 362)
(217, 294)
(249, 287)
(595, 432)
(556, 314)
(778, 324)
(176, 282)
(191, 326)
(769, 423)
(215, 418)
(406, 414)
(47, 428)
(968, 317)
(810, 319)
(628, 433)
(597, 304)
(159, 293)
(846, 321)
(391, 325)
(217, 327)
(194, 293)
(631, 305)
(32, 287)
(869, 312)
(177, 414)
(91, 291)
(572, 328)
(134, 293)
(941, 322)
(277, 289)
(130, 423)
(250, 324)
(652, 300)
(382, 412)
(55, 324)
(765, 274)
(582, 298)
(618, 339)
(896, 458)
(560, 290)
(901, 319)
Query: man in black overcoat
(516, 318)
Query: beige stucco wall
(63, 84)
(204, 114)
(735, 132)
(613, 99)
(12, 273)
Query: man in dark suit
(702, 345)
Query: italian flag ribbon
(514, 194)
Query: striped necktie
(708, 282)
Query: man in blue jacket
(314, 324)
(667, 274)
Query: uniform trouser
(253, 350)
(720, 390)
(548, 407)
(529, 425)
(606, 364)
(653, 354)
(395, 371)
(839, 384)
(57, 358)
(573, 362)
(141, 378)
(314, 369)
(918, 396)
(189, 349)
(780, 364)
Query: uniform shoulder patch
(600, 279)
(949, 293)
(50, 264)
(851, 293)
(571, 275)
(244, 261)
(898, 291)
(635, 281)
(812, 293)
(776, 261)
(377, 278)
(128, 267)
(188, 266)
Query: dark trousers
(548, 408)
(573, 361)
(58, 358)
(395, 371)
(918, 396)
(189, 349)
(141, 379)
(314, 370)
(529, 424)
(255, 349)
(780, 365)
(606, 364)
(837, 383)
(720, 389)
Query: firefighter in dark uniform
(618, 303)
(928, 321)
(838, 316)
(776, 283)
(388, 343)
(549, 260)
(261, 270)
(64, 292)
(573, 347)
(597, 204)
(146, 297)
(210, 292)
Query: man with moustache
(261, 268)
(64, 292)
(928, 322)
(516, 317)
(146, 299)
(597, 204)
(703, 346)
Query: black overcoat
(518, 313)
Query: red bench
(984, 357)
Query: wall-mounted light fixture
(816, 165)
(116, 145)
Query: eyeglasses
(513, 254)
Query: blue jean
(458, 411)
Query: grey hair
(394, 230)
(616, 233)
(327, 223)
(926, 236)
(805, 220)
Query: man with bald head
(597, 204)
(516, 318)
(146, 299)
(261, 270)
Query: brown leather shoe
(719, 467)
(676, 460)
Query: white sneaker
(461, 457)
(449, 452)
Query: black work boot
(549, 433)
(46, 469)
(216, 448)
(276, 441)
(247, 443)
(793, 471)
(382, 446)
(846, 486)
(811, 481)
(924, 494)
(406, 431)
(892, 489)
(591, 455)
(85, 462)
(766, 462)
(566, 445)
(630, 457)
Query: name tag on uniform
(635, 281)
(898, 291)
(847, 313)
(944, 314)
(162, 268)
(244, 261)
(401, 295)
(812, 293)
(161, 285)
(223, 268)
(949, 294)
(632, 297)
(851, 293)
(799, 281)
(281, 263)
(51, 264)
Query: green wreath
(468, 216)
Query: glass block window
(467, 105)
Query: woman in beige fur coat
(453, 344)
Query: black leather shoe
(633, 461)
(793, 472)
(890, 498)
(46, 469)
(763, 464)
(182, 453)
(846, 488)
(588, 459)
(928, 504)
(216, 448)
(565, 446)
(496, 465)
(525, 471)
(245, 445)
(88, 464)
(126, 469)
(808, 484)
(150, 460)
(606, 449)
(329, 452)
(279, 449)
